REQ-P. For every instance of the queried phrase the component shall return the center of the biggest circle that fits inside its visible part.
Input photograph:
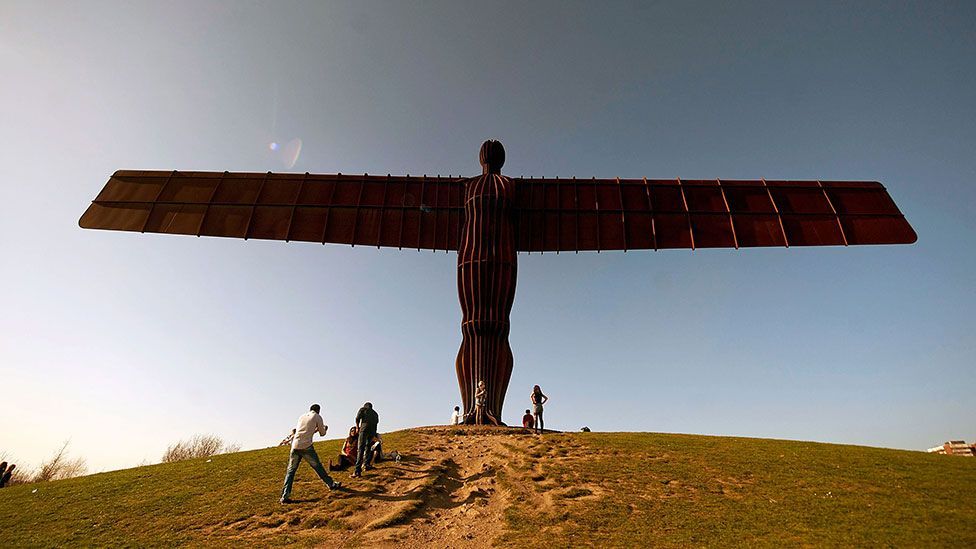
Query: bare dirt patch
(443, 493)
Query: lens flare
(290, 152)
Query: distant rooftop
(955, 448)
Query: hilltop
(468, 487)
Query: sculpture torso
(488, 233)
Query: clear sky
(125, 342)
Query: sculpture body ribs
(487, 268)
(489, 219)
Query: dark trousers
(365, 454)
(344, 463)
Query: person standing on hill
(481, 414)
(366, 419)
(538, 399)
(301, 447)
(456, 416)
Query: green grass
(671, 490)
(190, 502)
(606, 489)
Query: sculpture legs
(483, 357)
(486, 290)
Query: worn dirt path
(446, 492)
(459, 502)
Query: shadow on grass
(303, 500)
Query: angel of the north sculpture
(489, 219)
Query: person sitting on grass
(5, 477)
(348, 456)
(527, 420)
(3, 473)
(301, 448)
(378, 453)
(376, 448)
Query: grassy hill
(471, 486)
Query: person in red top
(528, 421)
(348, 456)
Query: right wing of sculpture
(395, 211)
(628, 214)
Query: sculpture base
(480, 416)
(499, 424)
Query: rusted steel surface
(628, 214)
(490, 218)
(369, 210)
(487, 269)
(550, 214)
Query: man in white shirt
(301, 447)
(456, 416)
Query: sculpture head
(492, 156)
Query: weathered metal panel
(628, 214)
(409, 212)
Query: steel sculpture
(489, 219)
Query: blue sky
(125, 343)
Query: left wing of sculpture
(396, 211)
(627, 214)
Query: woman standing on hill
(538, 399)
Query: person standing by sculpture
(538, 399)
(456, 416)
(481, 414)
(301, 448)
(366, 419)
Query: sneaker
(335, 486)
(357, 474)
(369, 467)
(286, 501)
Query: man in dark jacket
(366, 420)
